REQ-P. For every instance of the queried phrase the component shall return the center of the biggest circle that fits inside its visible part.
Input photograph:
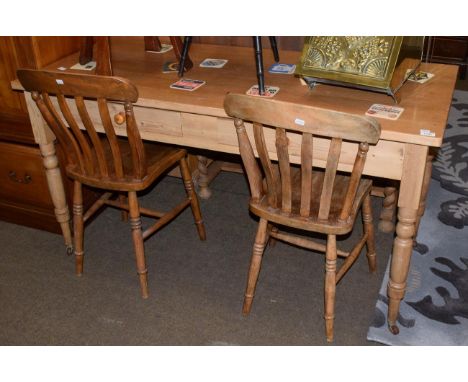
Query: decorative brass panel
(371, 62)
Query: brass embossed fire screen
(379, 63)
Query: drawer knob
(119, 118)
(27, 178)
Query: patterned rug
(435, 308)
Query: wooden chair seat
(105, 161)
(333, 224)
(159, 158)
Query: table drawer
(151, 122)
(158, 121)
(22, 175)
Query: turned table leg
(421, 248)
(46, 140)
(203, 177)
(414, 168)
(388, 209)
(208, 170)
(402, 250)
(57, 192)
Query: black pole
(259, 64)
(183, 56)
(274, 47)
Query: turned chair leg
(192, 195)
(255, 263)
(369, 230)
(135, 223)
(78, 227)
(330, 286)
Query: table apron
(218, 134)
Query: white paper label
(299, 121)
(59, 82)
(426, 133)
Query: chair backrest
(93, 156)
(309, 122)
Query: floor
(196, 288)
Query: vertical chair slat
(88, 124)
(81, 139)
(61, 136)
(111, 137)
(270, 173)
(306, 173)
(248, 157)
(285, 169)
(136, 145)
(51, 116)
(354, 180)
(329, 178)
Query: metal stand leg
(259, 64)
(187, 42)
(274, 47)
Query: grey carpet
(196, 288)
(434, 309)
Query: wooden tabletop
(426, 105)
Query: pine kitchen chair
(305, 198)
(103, 161)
